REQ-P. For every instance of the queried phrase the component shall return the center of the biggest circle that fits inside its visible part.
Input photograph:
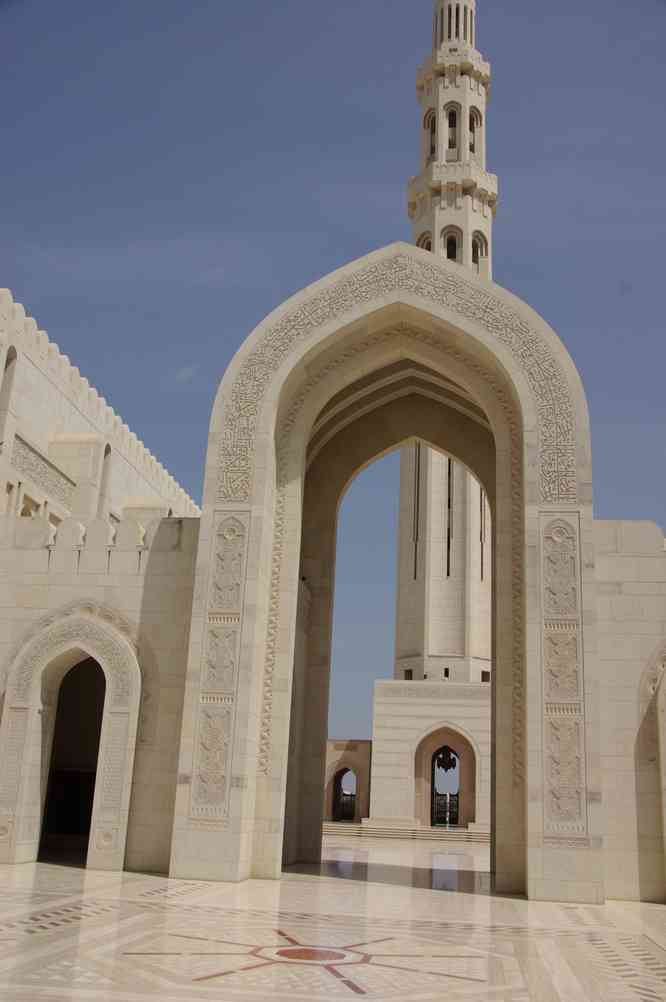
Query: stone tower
(445, 542)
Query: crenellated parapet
(94, 415)
(97, 547)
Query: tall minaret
(452, 201)
(445, 544)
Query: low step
(461, 835)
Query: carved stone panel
(13, 750)
(219, 672)
(563, 688)
(560, 571)
(561, 665)
(222, 658)
(229, 566)
(52, 481)
(402, 273)
(211, 773)
(112, 771)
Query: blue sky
(170, 172)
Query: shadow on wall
(164, 617)
(647, 779)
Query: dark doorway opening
(73, 769)
(344, 796)
(445, 803)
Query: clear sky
(172, 171)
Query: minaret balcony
(453, 54)
(468, 176)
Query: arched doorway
(344, 795)
(445, 788)
(447, 779)
(72, 775)
(327, 376)
(50, 650)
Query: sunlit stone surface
(379, 920)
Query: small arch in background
(480, 253)
(344, 795)
(430, 125)
(452, 244)
(425, 241)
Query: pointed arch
(26, 732)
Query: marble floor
(380, 919)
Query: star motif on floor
(340, 962)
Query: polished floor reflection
(384, 920)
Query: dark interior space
(71, 783)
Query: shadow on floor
(62, 857)
(462, 881)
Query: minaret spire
(452, 201)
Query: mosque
(164, 670)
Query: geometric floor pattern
(377, 921)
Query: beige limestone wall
(55, 430)
(139, 583)
(631, 577)
(406, 713)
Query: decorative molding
(565, 802)
(14, 733)
(72, 632)
(113, 765)
(150, 684)
(42, 472)
(402, 272)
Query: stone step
(461, 835)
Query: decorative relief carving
(76, 631)
(565, 753)
(222, 658)
(560, 570)
(211, 769)
(43, 473)
(561, 666)
(564, 711)
(12, 758)
(403, 273)
(228, 572)
(112, 772)
(220, 670)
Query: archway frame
(331, 777)
(429, 744)
(456, 729)
(254, 475)
(26, 734)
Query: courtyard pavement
(380, 920)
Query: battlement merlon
(60, 439)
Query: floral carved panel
(211, 782)
(563, 705)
